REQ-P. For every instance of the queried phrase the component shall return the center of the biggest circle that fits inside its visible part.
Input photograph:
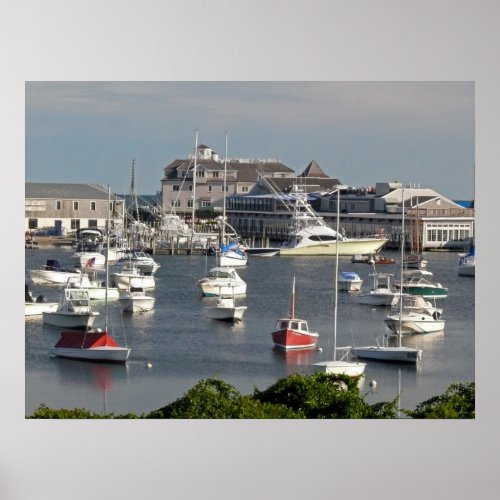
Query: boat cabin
(292, 324)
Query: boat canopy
(85, 340)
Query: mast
(402, 258)
(336, 280)
(107, 263)
(133, 192)
(292, 302)
(194, 183)
(223, 238)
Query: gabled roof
(285, 184)
(313, 170)
(52, 190)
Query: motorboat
(309, 234)
(467, 263)
(97, 289)
(132, 277)
(232, 255)
(36, 306)
(88, 249)
(52, 273)
(73, 311)
(136, 300)
(292, 332)
(382, 293)
(414, 261)
(90, 346)
(418, 282)
(222, 281)
(226, 309)
(350, 281)
(410, 321)
(139, 259)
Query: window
(209, 189)
(175, 187)
(200, 173)
(92, 206)
(244, 189)
(215, 174)
(75, 223)
(76, 204)
(190, 203)
(222, 189)
(58, 205)
(206, 203)
(32, 223)
(191, 187)
(175, 203)
(93, 223)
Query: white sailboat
(230, 254)
(96, 345)
(397, 353)
(342, 366)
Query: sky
(418, 133)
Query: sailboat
(414, 259)
(399, 352)
(291, 332)
(97, 345)
(339, 366)
(230, 254)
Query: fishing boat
(350, 281)
(136, 300)
(231, 253)
(292, 332)
(36, 306)
(133, 277)
(73, 311)
(97, 345)
(222, 280)
(52, 273)
(342, 366)
(385, 352)
(418, 282)
(97, 289)
(226, 309)
(88, 249)
(309, 234)
(382, 292)
(140, 260)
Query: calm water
(184, 346)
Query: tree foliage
(457, 402)
(296, 396)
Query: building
(180, 187)
(61, 209)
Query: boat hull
(38, 308)
(43, 277)
(426, 292)
(467, 270)
(107, 354)
(346, 248)
(377, 299)
(350, 285)
(137, 304)
(396, 354)
(351, 369)
(233, 259)
(212, 289)
(70, 320)
(124, 282)
(417, 323)
(294, 339)
(234, 314)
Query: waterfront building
(242, 175)
(60, 209)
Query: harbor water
(176, 345)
